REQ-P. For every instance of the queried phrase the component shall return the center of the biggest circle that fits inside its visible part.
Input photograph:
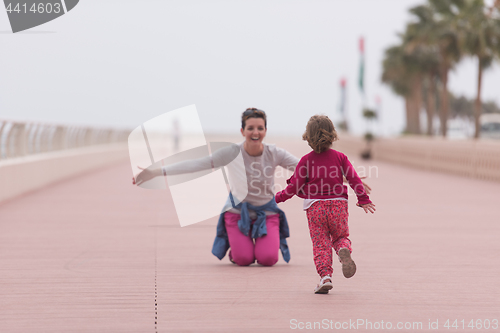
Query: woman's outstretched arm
(219, 158)
(285, 159)
(145, 175)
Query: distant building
(490, 125)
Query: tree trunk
(431, 104)
(408, 113)
(477, 111)
(445, 104)
(415, 104)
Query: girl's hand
(368, 189)
(367, 207)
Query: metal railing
(26, 138)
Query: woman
(256, 228)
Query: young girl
(318, 178)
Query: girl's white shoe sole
(348, 265)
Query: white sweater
(259, 170)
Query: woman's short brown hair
(320, 133)
(253, 113)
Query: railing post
(20, 139)
(2, 141)
(15, 143)
(57, 138)
(88, 137)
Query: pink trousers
(329, 229)
(244, 250)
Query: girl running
(318, 179)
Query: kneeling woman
(255, 229)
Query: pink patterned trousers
(328, 228)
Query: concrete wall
(23, 174)
(471, 158)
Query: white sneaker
(325, 284)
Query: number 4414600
(35, 8)
(477, 324)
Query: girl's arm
(295, 183)
(368, 189)
(354, 181)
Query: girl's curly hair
(320, 133)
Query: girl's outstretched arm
(368, 189)
(354, 181)
(295, 183)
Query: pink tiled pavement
(96, 254)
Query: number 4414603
(477, 324)
(35, 8)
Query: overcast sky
(119, 63)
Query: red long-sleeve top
(320, 176)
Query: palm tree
(408, 68)
(398, 74)
(443, 34)
(418, 38)
(430, 49)
(481, 38)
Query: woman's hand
(145, 175)
(367, 207)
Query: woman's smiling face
(254, 131)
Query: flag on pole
(362, 65)
(343, 82)
(343, 104)
(378, 102)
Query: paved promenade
(96, 254)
